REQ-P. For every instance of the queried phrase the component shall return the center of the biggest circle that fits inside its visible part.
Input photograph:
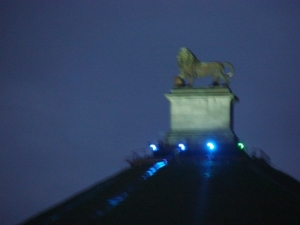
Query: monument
(206, 189)
(199, 114)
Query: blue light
(152, 170)
(115, 200)
(211, 146)
(182, 147)
(153, 147)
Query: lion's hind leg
(224, 77)
(215, 79)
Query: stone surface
(200, 113)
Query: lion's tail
(230, 66)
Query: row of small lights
(182, 147)
(210, 145)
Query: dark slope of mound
(193, 190)
(212, 192)
(82, 206)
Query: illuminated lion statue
(191, 68)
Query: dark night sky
(83, 84)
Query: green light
(241, 146)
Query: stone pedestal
(200, 114)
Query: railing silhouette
(260, 154)
(141, 156)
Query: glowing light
(241, 145)
(116, 200)
(210, 146)
(152, 170)
(182, 147)
(153, 147)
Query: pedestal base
(199, 137)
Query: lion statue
(191, 68)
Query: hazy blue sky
(83, 84)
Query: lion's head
(186, 58)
